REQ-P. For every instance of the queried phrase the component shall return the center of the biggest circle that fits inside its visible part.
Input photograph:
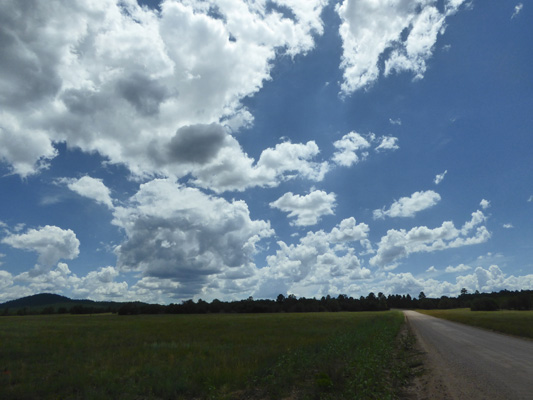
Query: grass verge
(517, 323)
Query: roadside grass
(518, 323)
(253, 356)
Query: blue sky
(207, 149)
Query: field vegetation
(518, 323)
(213, 356)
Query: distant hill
(37, 300)
(53, 303)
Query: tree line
(502, 300)
(517, 300)
(289, 303)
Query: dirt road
(470, 363)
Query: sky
(221, 149)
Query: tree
(484, 304)
(421, 296)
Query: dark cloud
(183, 235)
(143, 93)
(196, 143)
(27, 69)
(83, 102)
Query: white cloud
(6, 279)
(100, 285)
(484, 204)
(180, 233)
(121, 80)
(530, 200)
(432, 269)
(307, 209)
(396, 121)
(477, 218)
(348, 147)
(352, 143)
(408, 31)
(51, 243)
(508, 226)
(484, 280)
(388, 143)
(517, 10)
(319, 264)
(439, 177)
(398, 244)
(459, 268)
(93, 188)
(494, 279)
(409, 206)
(28, 151)
(96, 285)
(231, 169)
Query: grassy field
(518, 323)
(306, 356)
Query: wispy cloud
(438, 179)
(396, 121)
(517, 10)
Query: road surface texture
(464, 362)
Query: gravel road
(471, 363)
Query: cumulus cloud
(307, 209)
(409, 206)
(484, 280)
(398, 244)
(484, 204)
(493, 279)
(96, 285)
(348, 147)
(51, 243)
(182, 234)
(128, 81)
(351, 147)
(408, 31)
(27, 151)
(92, 188)
(321, 263)
(459, 268)
(233, 170)
(196, 144)
(477, 218)
(100, 284)
(440, 177)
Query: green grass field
(518, 323)
(259, 356)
